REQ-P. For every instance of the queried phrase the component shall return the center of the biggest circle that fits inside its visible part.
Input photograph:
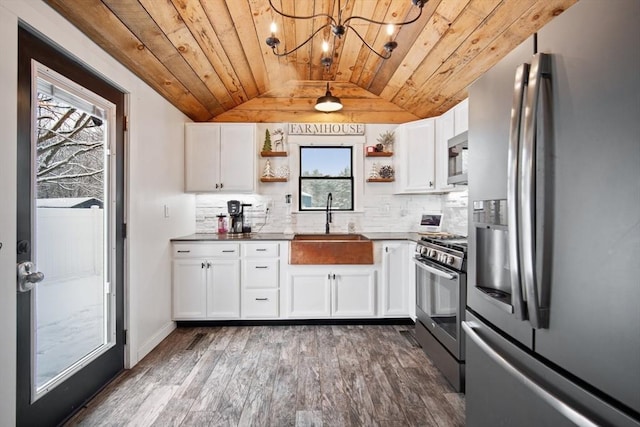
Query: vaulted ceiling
(209, 57)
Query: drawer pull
(261, 250)
(262, 299)
(261, 266)
(229, 251)
(183, 252)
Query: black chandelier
(339, 28)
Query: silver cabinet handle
(521, 80)
(538, 312)
(227, 251)
(183, 252)
(434, 270)
(262, 266)
(571, 414)
(262, 299)
(220, 185)
(27, 277)
(261, 250)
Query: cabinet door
(444, 131)
(395, 279)
(201, 157)
(309, 294)
(416, 156)
(189, 289)
(223, 289)
(237, 157)
(461, 122)
(353, 293)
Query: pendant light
(328, 103)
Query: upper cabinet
(422, 152)
(415, 157)
(445, 130)
(461, 117)
(220, 157)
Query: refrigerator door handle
(521, 79)
(538, 315)
(570, 413)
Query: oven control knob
(450, 260)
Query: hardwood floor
(280, 376)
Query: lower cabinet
(223, 289)
(206, 281)
(252, 280)
(396, 278)
(189, 289)
(332, 291)
(261, 280)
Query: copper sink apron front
(332, 250)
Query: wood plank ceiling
(209, 57)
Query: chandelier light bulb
(274, 28)
(390, 30)
(325, 46)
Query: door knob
(27, 278)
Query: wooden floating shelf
(273, 153)
(379, 179)
(267, 179)
(380, 154)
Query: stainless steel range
(441, 281)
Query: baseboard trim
(156, 339)
(295, 322)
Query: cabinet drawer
(260, 274)
(205, 250)
(258, 303)
(262, 250)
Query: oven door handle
(436, 271)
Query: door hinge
(125, 123)
(124, 230)
(124, 337)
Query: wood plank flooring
(347, 375)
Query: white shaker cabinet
(396, 279)
(445, 129)
(206, 281)
(261, 272)
(353, 292)
(220, 157)
(331, 291)
(461, 114)
(189, 289)
(415, 157)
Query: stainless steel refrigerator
(553, 297)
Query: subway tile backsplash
(379, 213)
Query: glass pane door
(73, 306)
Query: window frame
(350, 178)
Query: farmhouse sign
(326, 129)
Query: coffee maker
(238, 223)
(235, 217)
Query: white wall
(155, 178)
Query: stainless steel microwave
(458, 159)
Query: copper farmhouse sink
(331, 249)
